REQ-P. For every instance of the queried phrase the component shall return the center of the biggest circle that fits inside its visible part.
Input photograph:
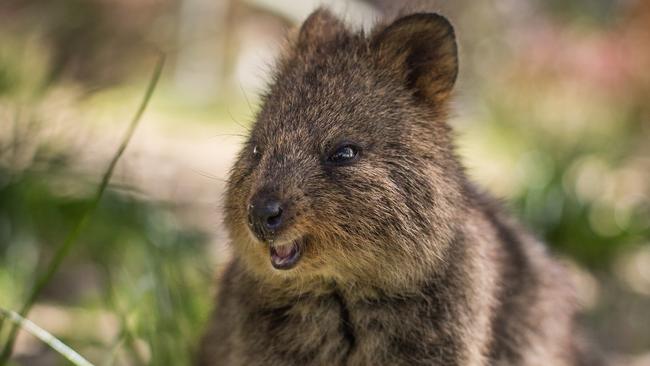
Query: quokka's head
(349, 173)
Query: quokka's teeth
(283, 250)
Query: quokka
(357, 237)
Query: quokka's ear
(320, 27)
(422, 49)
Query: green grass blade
(45, 337)
(72, 238)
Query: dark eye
(344, 154)
(257, 151)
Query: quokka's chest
(327, 330)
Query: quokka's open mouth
(286, 256)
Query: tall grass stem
(45, 337)
(73, 236)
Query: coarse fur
(403, 261)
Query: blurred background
(552, 114)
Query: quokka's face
(346, 169)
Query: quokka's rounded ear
(422, 49)
(321, 26)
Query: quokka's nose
(265, 217)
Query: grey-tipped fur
(404, 262)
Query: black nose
(265, 217)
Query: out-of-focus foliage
(555, 119)
(129, 292)
(568, 117)
(552, 116)
(127, 265)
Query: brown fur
(404, 262)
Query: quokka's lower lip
(286, 256)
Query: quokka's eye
(344, 154)
(257, 151)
